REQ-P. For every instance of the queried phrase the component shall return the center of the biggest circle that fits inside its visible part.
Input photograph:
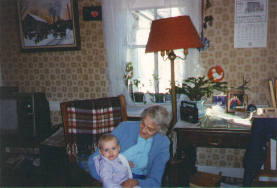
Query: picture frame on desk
(236, 101)
(219, 100)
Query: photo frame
(48, 25)
(236, 101)
(92, 13)
(219, 100)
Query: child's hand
(131, 164)
(129, 183)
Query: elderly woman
(145, 146)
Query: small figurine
(243, 87)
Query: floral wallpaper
(62, 75)
(257, 65)
(68, 75)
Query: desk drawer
(213, 139)
(223, 140)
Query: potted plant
(130, 82)
(199, 89)
(137, 96)
(128, 74)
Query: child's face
(110, 149)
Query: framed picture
(48, 25)
(219, 100)
(92, 13)
(236, 101)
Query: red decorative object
(216, 73)
(92, 13)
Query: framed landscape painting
(47, 25)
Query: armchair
(84, 122)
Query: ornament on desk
(216, 73)
(251, 108)
(244, 84)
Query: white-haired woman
(145, 145)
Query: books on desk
(266, 113)
(217, 118)
(185, 124)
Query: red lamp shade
(172, 33)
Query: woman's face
(147, 128)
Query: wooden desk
(190, 137)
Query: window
(126, 24)
(152, 71)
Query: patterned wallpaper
(256, 64)
(64, 75)
(68, 75)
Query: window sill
(136, 109)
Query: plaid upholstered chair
(84, 122)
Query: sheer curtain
(116, 17)
(115, 31)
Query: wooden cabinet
(190, 138)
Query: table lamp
(168, 34)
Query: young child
(112, 167)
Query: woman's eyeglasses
(149, 128)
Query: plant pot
(159, 98)
(138, 97)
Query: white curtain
(115, 28)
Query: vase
(200, 108)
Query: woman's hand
(131, 164)
(129, 183)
